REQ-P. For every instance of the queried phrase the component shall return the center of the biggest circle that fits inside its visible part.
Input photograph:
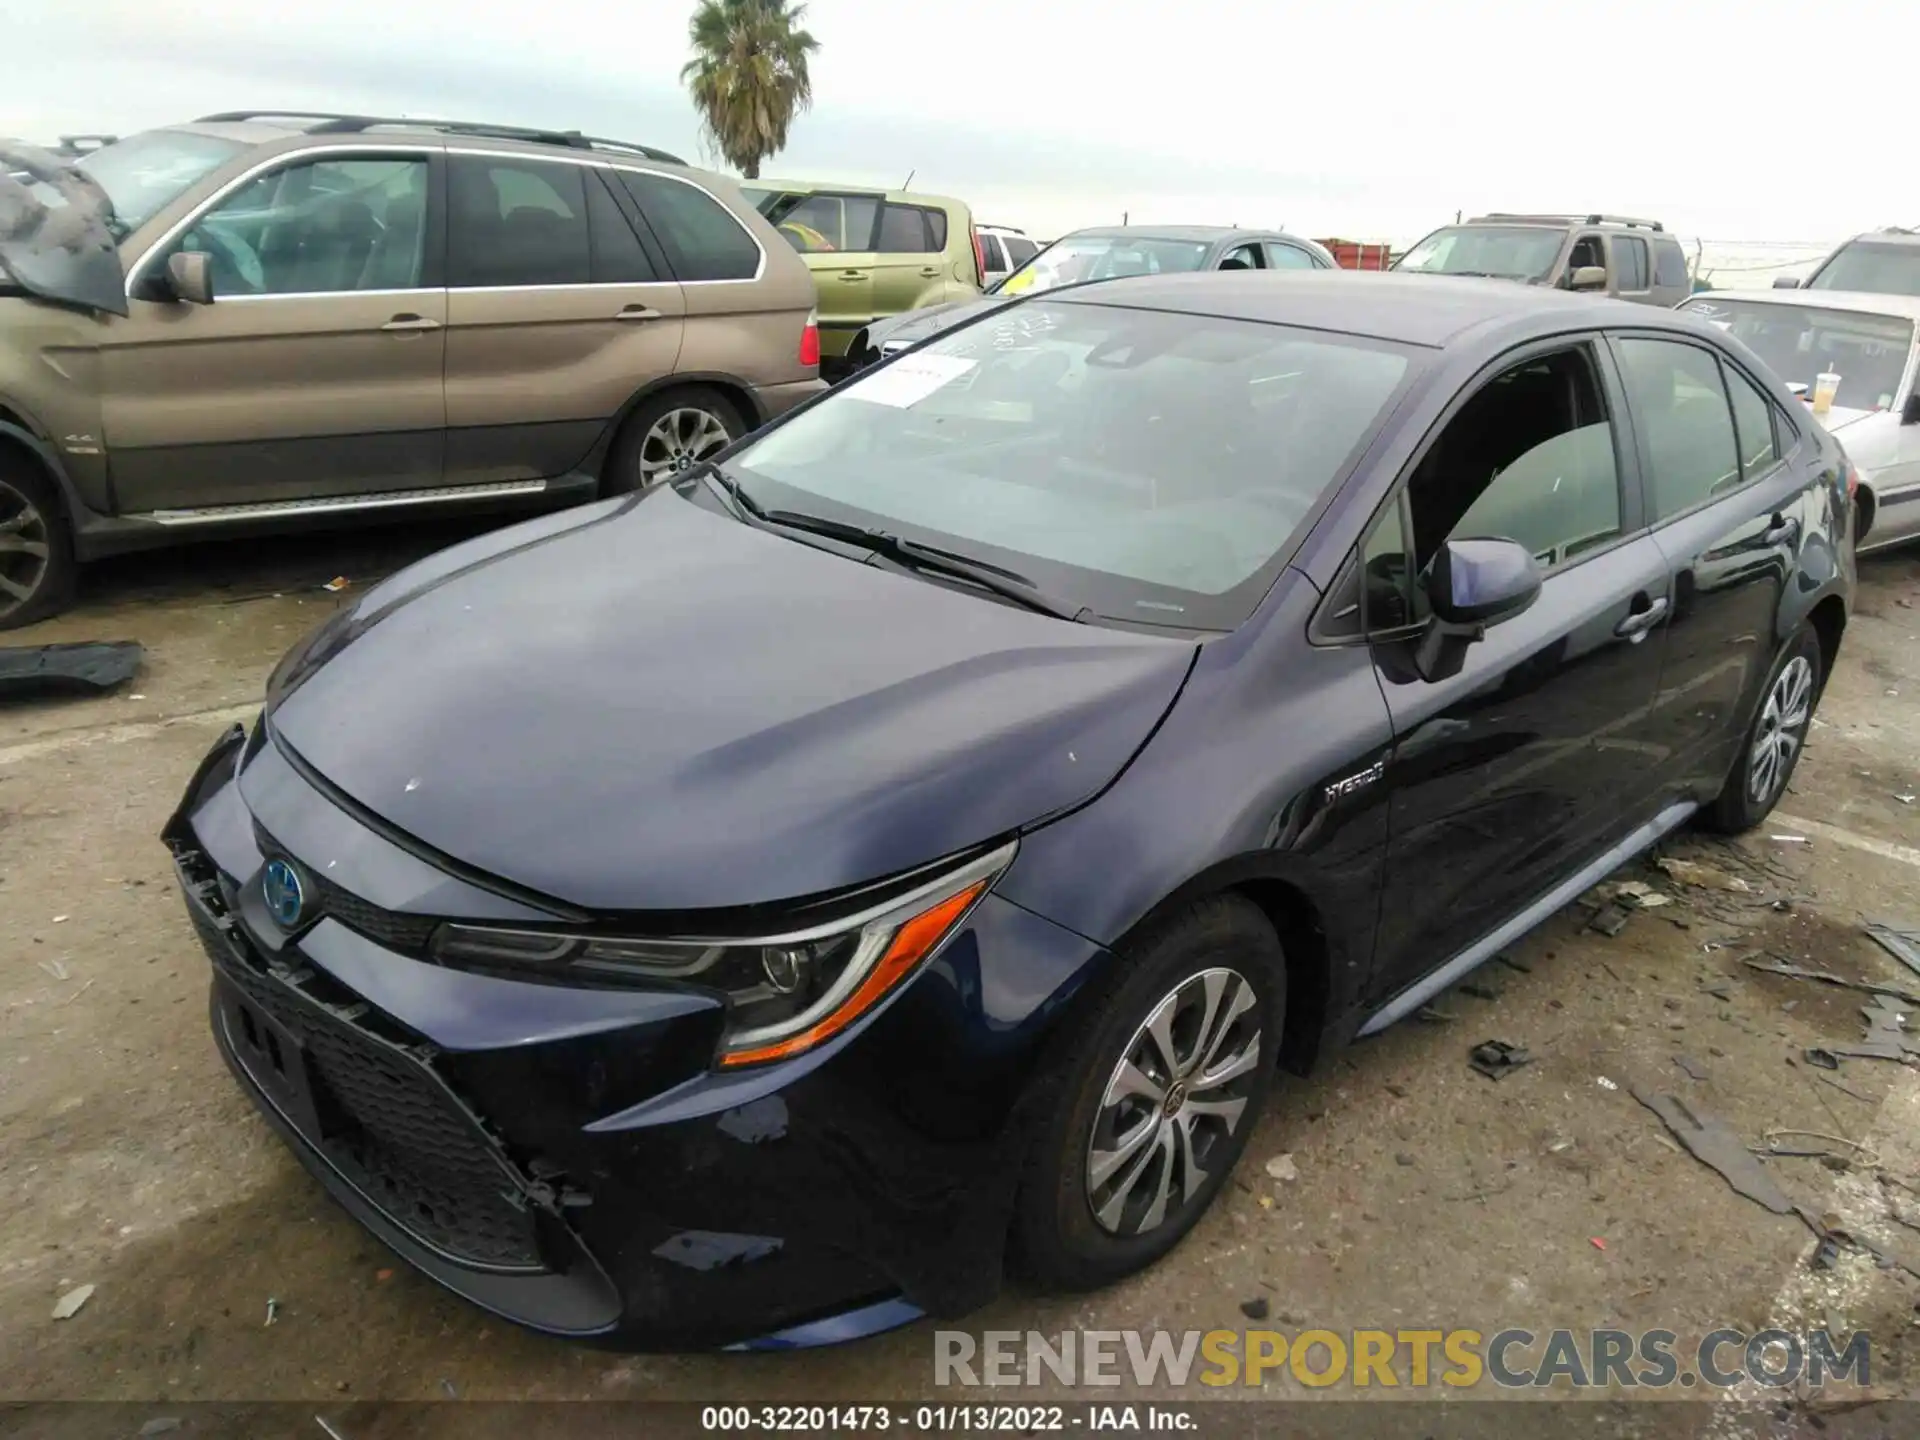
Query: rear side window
(1669, 265)
(517, 222)
(908, 230)
(1681, 405)
(1288, 257)
(702, 239)
(1019, 250)
(1630, 262)
(1753, 425)
(990, 252)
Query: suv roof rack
(1592, 218)
(1009, 229)
(332, 123)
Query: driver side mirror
(190, 277)
(1786, 282)
(1471, 584)
(1910, 412)
(1588, 277)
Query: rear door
(316, 372)
(1731, 510)
(1631, 267)
(1510, 773)
(557, 312)
(910, 266)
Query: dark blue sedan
(757, 910)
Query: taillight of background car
(810, 340)
(979, 258)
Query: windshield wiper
(914, 555)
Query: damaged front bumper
(565, 1158)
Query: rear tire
(37, 566)
(1158, 1099)
(1774, 740)
(668, 433)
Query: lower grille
(386, 1121)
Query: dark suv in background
(255, 322)
(1606, 254)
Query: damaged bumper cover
(565, 1157)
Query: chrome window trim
(413, 150)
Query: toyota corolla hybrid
(755, 910)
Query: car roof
(1429, 310)
(1867, 302)
(1888, 237)
(290, 131)
(1206, 234)
(838, 187)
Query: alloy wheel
(1173, 1102)
(25, 549)
(679, 439)
(1783, 725)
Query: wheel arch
(18, 438)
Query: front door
(556, 315)
(1730, 517)
(317, 370)
(1505, 776)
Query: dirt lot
(1425, 1193)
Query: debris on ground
(1480, 990)
(1605, 1083)
(1827, 977)
(1790, 840)
(1402, 1157)
(1281, 1167)
(273, 1309)
(1901, 943)
(1713, 1142)
(69, 1304)
(1826, 1254)
(1611, 920)
(1862, 1154)
(1632, 894)
(1497, 1059)
(1825, 1059)
(1886, 1037)
(1596, 1242)
(447, 1385)
(1704, 877)
(1694, 1069)
(1255, 1309)
(1519, 966)
(54, 968)
(159, 1425)
(1433, 1016)
(336, 584)
(30, 671)
(332, 1433)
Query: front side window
(318, 228)
(702, 239)
(1242, 257)
(815, 224)
(1680, 403)
(990, 252)
(1075, 258)
(1149, 466)
(517, 222)
(1514, 252)
(1800, 342)
(1629, 262)
(1880, 267)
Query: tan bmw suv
(254, 322)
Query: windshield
(144, 173)
(1514, 252)
(1798, 342)
(1880, 269)
(1101, 257)
(1145, 465)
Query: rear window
(1147, 465)
(1669, 265)
(702, 239)
(909, 230)
(1800, 342)
(1875, 266)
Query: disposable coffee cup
(1825, 386)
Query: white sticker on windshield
(909, 380)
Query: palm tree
(748, 75)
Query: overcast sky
(1733, 121)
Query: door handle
(930, 272)
(1779, 530)
(411, 321)
(638, 312)
(1639, 622)
(855, 275)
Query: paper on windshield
(909, 380)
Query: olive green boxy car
(257, 322)
(873, 253)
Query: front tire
(1773, 742)
(668, 433)
(37, 566)
(1158, 1100)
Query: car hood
(913, 326)
(656, 707)
(55, 236)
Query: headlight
(785, 993)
